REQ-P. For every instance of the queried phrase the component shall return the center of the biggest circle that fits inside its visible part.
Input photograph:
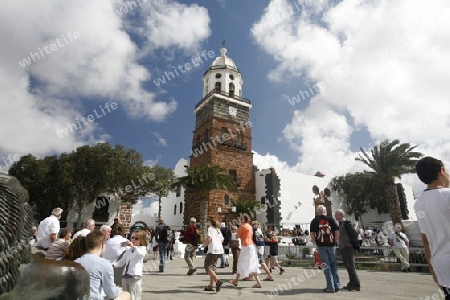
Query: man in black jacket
(348, 242)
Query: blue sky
(325, 77)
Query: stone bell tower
(222, 136)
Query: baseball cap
(222, 224)
(57, 211)
(193, 220)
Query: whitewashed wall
(113, 210)
(296, 198)
(297, 206)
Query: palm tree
(203, 180)
(391, 160)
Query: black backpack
(258, 238)
(163, 235)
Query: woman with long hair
(248, 259)
(76, 249)
(213, 241)
(133, 262)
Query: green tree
(101, 169)
(32, 173)
(359, 192)
(388, 161)
(162, 184)
(203, 180)
(74, 180)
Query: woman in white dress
(248, 259)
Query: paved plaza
(296, 283)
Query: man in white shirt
(433, 216)
(48, 229)
(106, 230)
(89, 225)
(400, 243)
(115, 246)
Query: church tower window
(231, 89)
(218, 86)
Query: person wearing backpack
(258, 239)
(162, 236)
(324, 232)
(191, 246)
(226, 233)
(348, 242)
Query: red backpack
(325, 234)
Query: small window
(175, 209)
(231, 89)
(218, 86)
(233, 174)
(218, 75)
(239, 138)
(205, 135)
(263, 200)
(231, 77)
(178, 192)
(223, 131)
(226, 200)
(181, 207)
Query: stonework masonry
(125, 213)
(231, 152)
(219, 108)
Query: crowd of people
(115, 262)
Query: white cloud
(161, 141)
(268, 161)
(98, 62)
(152, 162)
(384, 66)
(168, 24)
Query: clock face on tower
(232, 111)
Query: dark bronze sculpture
(27, 276)
(322, 199)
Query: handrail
(221, 92)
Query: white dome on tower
(223, 77)
(223, 60)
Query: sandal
(208, 288)
(269, 279)
(247, 279)
(232, 282)
(256, 286)
(218, 285)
